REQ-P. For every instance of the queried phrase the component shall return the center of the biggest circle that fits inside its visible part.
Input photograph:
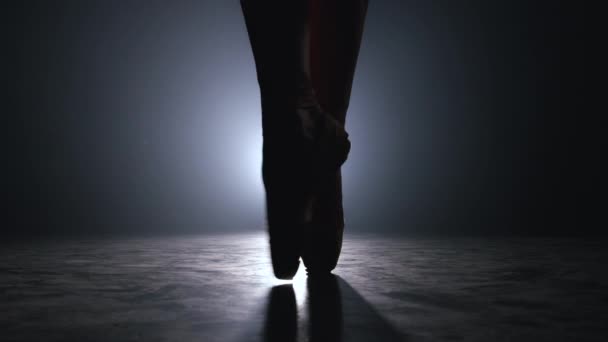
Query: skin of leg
(336, 30)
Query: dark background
(144, 117)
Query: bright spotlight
(298, 283)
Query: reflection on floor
(333, 311)
(221, 288)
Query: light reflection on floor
(298, 284)
(216, 288)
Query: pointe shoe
(285, 200)
(322, 243)
(295, 167)
(322, 236)
(329, 147)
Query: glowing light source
(298, 283)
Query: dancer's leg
(276, 32)
(336, 33)
(300, 141)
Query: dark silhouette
(305, 53)
(324, 309)
(281, 323)
(324, 306)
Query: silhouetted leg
(336, 32)
(301, 142)
(276, 30)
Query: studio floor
(221, 288)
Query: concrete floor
(221, 288)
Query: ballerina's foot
(326, 138)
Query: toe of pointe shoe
(285, 263)
(285, 273)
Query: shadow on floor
(334, 312)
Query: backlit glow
(298, 283)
